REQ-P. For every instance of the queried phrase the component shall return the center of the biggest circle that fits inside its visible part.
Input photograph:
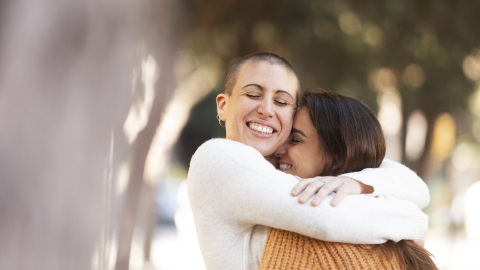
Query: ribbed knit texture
(289, 250)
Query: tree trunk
(65, 78)
(167, 41)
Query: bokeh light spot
(462, 157)
(373, 35)
(471, 68)
(381, 79)
(414, 76)
(443, 139)
(476, 130)
(349, 23)
(416, 135)
(474, 102)
(390, 113)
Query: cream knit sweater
(235, 195)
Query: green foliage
(337, 44)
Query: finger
(324, 191)
(341, 192)
(302, 185)
(309, 191)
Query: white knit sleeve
(394, 179)
(242, 189)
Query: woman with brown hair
(333, 135)
(236, 194)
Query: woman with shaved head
(237, 191)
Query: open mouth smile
(261, 128)
(284, 167)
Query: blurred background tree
(341, 46)
(161, 64)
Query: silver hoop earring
(220, 121)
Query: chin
(263, 148)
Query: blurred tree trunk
(166, 40)
(149, 220)
(423, 164)
(199, 84)
(65, 79)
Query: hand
(322, 186)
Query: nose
(281, 151)
(266, 109)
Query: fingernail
(314, 201)
(294, 191)
(301, 199)
(334, 202)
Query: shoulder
(224, 148)
(225, 157)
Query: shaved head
(253, 58)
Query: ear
(222, 100)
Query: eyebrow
(294, 130)
(261, 88)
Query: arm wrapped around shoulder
(394, 179)
(240, 188)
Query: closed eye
(252, 96)
(281, 103)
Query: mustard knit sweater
(289, 250)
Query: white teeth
(285, 166)
(260, 128)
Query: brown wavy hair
(351, 139)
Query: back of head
(271, 58)
(350, 135)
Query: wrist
(366, 189)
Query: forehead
(303, 122)
(269, 76)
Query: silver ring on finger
(323, 182)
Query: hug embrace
(300, 182)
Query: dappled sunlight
(349, 23)
(139, 111)
(414, 76)
(462, 157)
(390, 118)
(471, 67)
(474, 102)
(416, 135)
(373, 35)
(188, 92)
(381, 79)
(79, 81)
(476, 130)
(443, 139)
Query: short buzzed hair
(271, 58)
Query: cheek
(237, 112)
(286, 120)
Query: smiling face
(260, 109)
(301, 155)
